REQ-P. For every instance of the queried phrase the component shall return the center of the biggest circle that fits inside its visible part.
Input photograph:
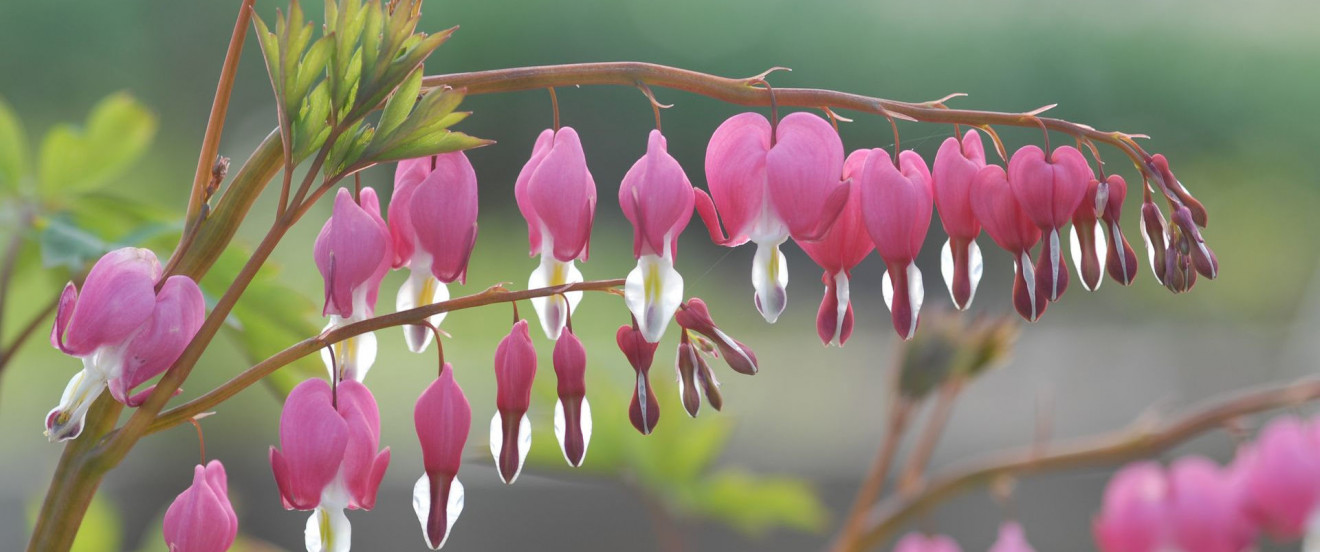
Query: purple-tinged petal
(444, 216)
(1281, 477)
(118, 295)
(657, 199)
(63, 311)
(1206, 511)
(695, 316)
(349, 252)
(834, 320)
(1135, 512)
(557, 196)
(572, 412)
(442, 418)
(362, 466)
(736, 175)
(846, 243)
(407, 176)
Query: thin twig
(308, 346)
(11, 349)
(215, 126)
(915, 468)
(874, 483)
(1139, 441)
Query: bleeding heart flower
(201, 519)
(124, 332)
(956, 163)
(433, 228)
(1002, 218)
(1280, 475)
(769, 184)
(657, 197)
(695, 378)
(510, 430)
(897, 202)
(644, 410)
(572, 411)
(695, 316)
(327, 459)
(1193, 507)
(841, 249)
(1049, 192)
(1134, 516)
(557, 196)
(442, 418)
(353, 253)
(1121, 262)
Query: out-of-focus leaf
(73, 160)
(100, 530)
(754, 504)
(13, 149)
(269, 318)
(64, 244)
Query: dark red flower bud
(696, 317)
(644, 411)
(572, 412)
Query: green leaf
(432, 144)
(400, 104)
(100, 530)
(13, 149)
(75, 161)
(754, 504)
(64, 244)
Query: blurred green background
(1225, 89)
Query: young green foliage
(74, 161)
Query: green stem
(77, 477)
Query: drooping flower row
(1272, 487)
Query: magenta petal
(846, 243)
(736, 172)
(1281, 477)
(180, 310)
(1134, 514)
(515, 369)
(1205, 509)
(951, 179)
(1048, 191)
(118, 295)
(350, 250)
(201, 519)
(362, 417)
(444, 215)
(917, 542)
(896, 206)
(1011, 539)
(999, 212)
(803, 167)
(657, 199)
(64, 310)
(313, 437)
(555, 190)
(443, 418)
(407, 176)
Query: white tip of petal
(916, 294)
(66, 421)
(422, 505)
(653, 293)
(1101, 252)
(328, 531)
(842, 297)
(420, 289)
(552, 311)
(770, 279)
(975, 267)
(353, 356)
(497, 445)
(561, 430)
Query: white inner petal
(420, 289)
(975, 266)
(328, 530)
(1158, 271)
(1029, 278)
(841, 294)
(653, 292)
(916, 295)
(353, 356)
(770, 279)
(422, 505)
(71, 414)
(561, 429)
(1101, 250)
(552, 311)
(497, 443)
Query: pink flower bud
(769, 184)
(1002, 217)
(1280, 474)
(917, 542)
(442, 418)
(956, 163)
(657, 198)
(557, 196)
(695, 316)
(695, 378)
(1087, 235)
(1158, 167)
(897, 203)
(1011, 539)
(1202, 257)
(644, 410)
(201, 519)
(841, 249)
(1049, 192)
(1121, 262)
(510, 431)
(572, 411)
(1154, 232)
